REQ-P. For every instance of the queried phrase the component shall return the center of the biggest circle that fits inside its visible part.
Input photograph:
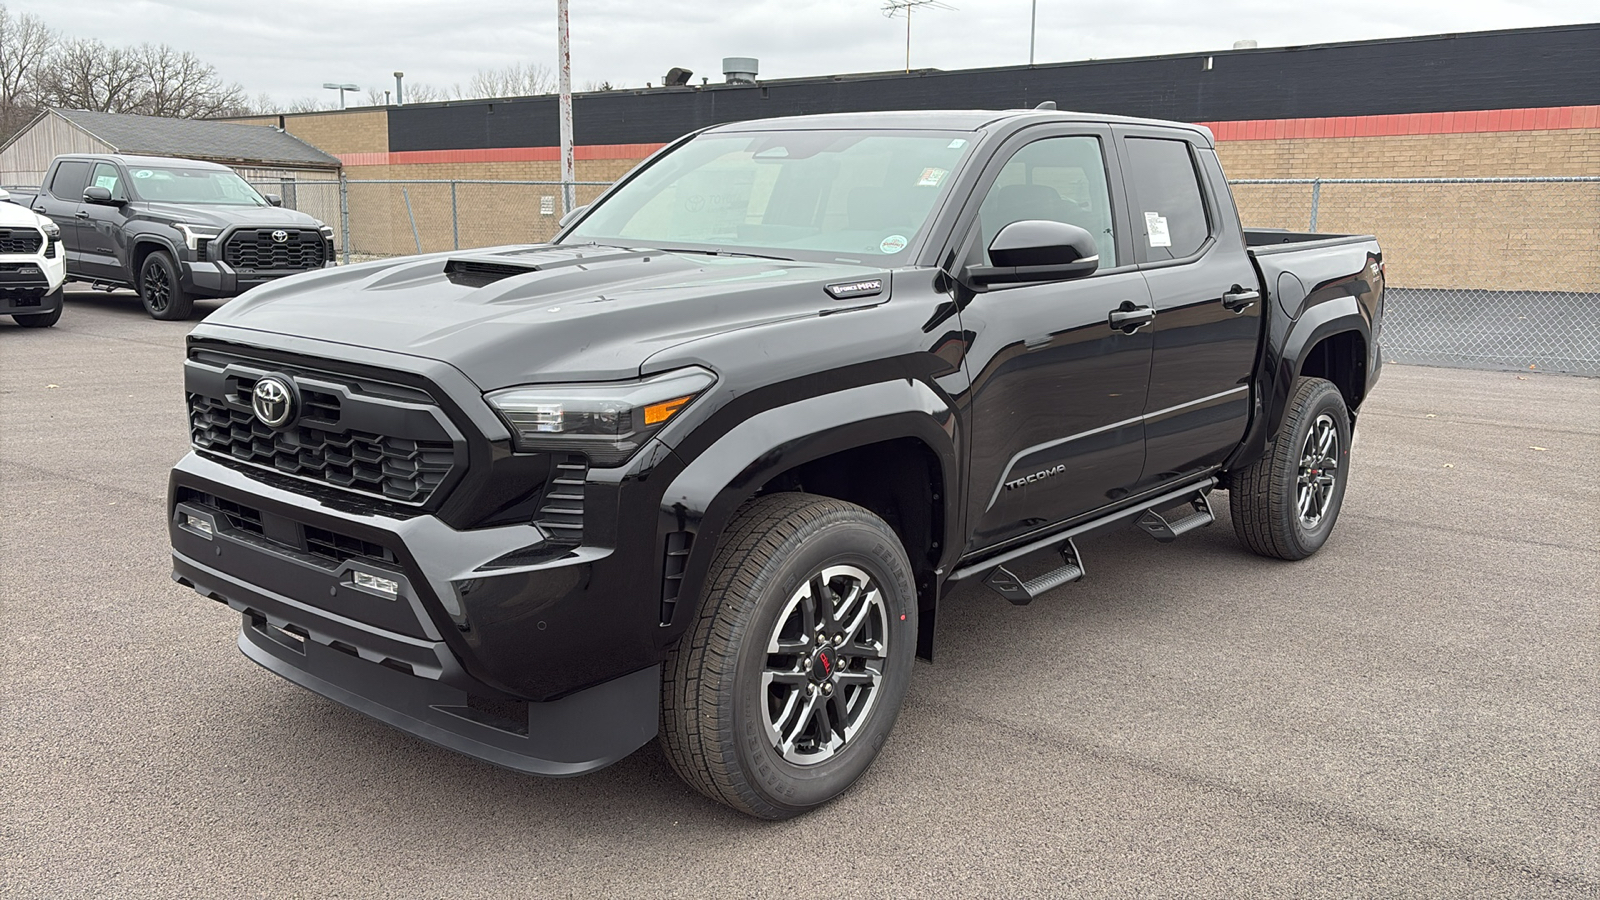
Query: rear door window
(70, 179)
(1168, 206)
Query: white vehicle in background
(33, 266)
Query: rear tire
(41, 320)
(783, 690)
(1286, 503)
(161, 290)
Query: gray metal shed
(259, 153)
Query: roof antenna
(1048, 104)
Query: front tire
(783, 690)
(161, 290)
(1285, 504)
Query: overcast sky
(288, 48)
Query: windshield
(171, 185)
(824, 195)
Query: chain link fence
(1499, 273)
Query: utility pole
(569, 191)
(892, 8)
(1033, 29)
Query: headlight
(607, 422)
(327, 231)
(52, 231)
(194, 234)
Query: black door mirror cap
(1036, 250)
(272, 199)
(94, 193)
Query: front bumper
(31, 283)
(218, 279)
(409, 660)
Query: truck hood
(542, 314)
(222, 216)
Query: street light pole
(569, 191)
(342, 89)
(1033, 29)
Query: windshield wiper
(724, 253)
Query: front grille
(394, 468)
(331, 545)
(20, 241)
(255, 249)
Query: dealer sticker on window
(1156, 225)
(894, 243)
(932, 177)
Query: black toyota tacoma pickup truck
(704, 465)
(173, 229)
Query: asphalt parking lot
(1412, 712)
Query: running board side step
(1003, 582)
(1166, 531)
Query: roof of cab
(171, 162)
(947, 120)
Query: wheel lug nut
(811, 689)
(838, 639)
(827, 688)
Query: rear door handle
(1240, 299)
(1129, 318)
(81, 214)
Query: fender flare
(1316, 323)
(147, 237)
(706, 493)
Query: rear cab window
(71, 177)
(1169, 210)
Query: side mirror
(1036, 250)
(273, 199)
(570, 215)
(97, 194)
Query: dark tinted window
(1057, 179)
(1169, 211)
(70, 180)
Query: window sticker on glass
(894, 243)
(109, 182)
(1156, 225)
(932, 177)
(957, 144)
(143, 173)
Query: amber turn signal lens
(656, 413)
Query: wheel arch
(143, 246)
(888, 447)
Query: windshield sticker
(894, 243)
(957, 144)
(932, 177)
(1156, 224)
(143, 173)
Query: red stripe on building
(1554, 118)
(1557, 118)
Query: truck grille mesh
(20, 241)
(399, 469)
(255, 249)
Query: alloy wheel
(824, 666)
(157, 286)
(1319, 471)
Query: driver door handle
(1129, 318)
(1240, 299)
(81, 214)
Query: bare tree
(593, 86)
(87, 74)
(420, 92)
(515, 80)
(377, 97)
(179, 85)
(26, 43)
(306, 104)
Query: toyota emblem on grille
(273, 401)
(280, 236)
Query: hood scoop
(476, 273)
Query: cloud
(290, 47)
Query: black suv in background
(173, 229)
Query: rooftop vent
(1246, 44)
(676, 77)
(741, 69)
